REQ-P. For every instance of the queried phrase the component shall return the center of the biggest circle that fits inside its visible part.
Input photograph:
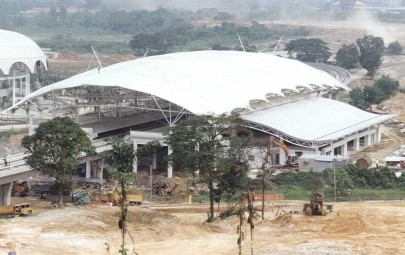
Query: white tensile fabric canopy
(15, 47)
(205, 81)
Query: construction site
(170, 221)
(140, 99)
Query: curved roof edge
(220, 80)
(18, 48)
(314, 120)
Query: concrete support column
(135, 163)
(88, 169)
(27, 84)
(377, 134)
(169, 167)
(13, 91)
(344, 149)
(357, 144)
(100, 173)
(5, 193)
(21, 86)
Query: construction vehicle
(316, 205)
(290, 160)
(134, 199)
(20, 209)
(80, 198)
(163, 188)
(93, 183)
(115, 198)
(20, 188)
(41, 190)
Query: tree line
(367, 52)
(347, 179)
(161, 30)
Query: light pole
(335, 160)
(334, 178)
(150, 178)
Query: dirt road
(353, 228)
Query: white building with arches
(19, 58)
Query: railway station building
(289, 100)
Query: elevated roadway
(14, 167)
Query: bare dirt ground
(353, 228)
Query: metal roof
(206, 81)
(15, 47)
(315, 119)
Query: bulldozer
(316, 205)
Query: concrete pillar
(135, 163)
(88, 169)
(344, 149)
(377, 134)
(13, 90)
(169, 167)
(5, 193)
(357, 144)
(27, 84)
(100, 173)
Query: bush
(382, 89)
(293, 192)
(394, 48)
(374, 183)
(311, 181)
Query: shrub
(394, 48)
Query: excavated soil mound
(347, 223)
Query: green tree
(394, 48)
(213, 145)
(120, 160)
(54, 149)
(223, 16)
(387, 86)
(382, 89)
(309, 50)
(371, 51)
(372, 95)
(348, 56)
(155, 44)
(357, 98)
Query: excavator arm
(275, 141)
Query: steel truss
(82, 100)
(285, 137)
